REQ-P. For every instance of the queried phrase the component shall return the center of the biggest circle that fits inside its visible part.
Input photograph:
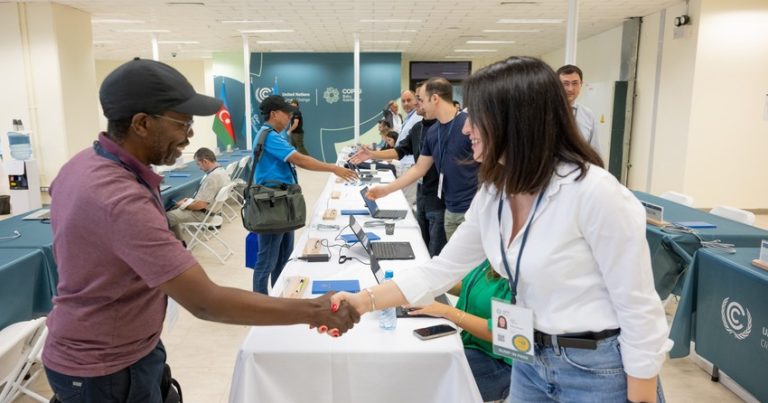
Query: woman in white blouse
(567, 235)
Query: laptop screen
(376, 269)
(360, 234)
(372, 206)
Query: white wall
(709, 133)
(48, 66)
(667, 138)
(13, 100)
(728, 135)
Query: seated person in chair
(195, 208)
(472, 313)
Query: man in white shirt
(391, 115)
(195, 208)
(408, 100)
(572, 79)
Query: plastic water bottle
(388, 316)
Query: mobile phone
(432, 332)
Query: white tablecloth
(367, 364)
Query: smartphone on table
(433, 332)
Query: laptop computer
(401, 311)
(381, 250)
(42, 214)
(376, 212)
(365, 176)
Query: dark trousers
(432, 227)
(274, 251)
(138, 383)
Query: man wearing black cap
(276, 164)
(118, 261)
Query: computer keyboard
(384, 250)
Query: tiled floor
(202, 354)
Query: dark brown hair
(570, 69)
(439, 86)
(204, 154)
(519, 107)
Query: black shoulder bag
(275, 206)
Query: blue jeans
(573, 375)
(432, 229)
(491, 375)
(137, 383)
(274, 250)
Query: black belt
(585, 341)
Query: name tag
(512, 331)
(653, 212)
(762, 262)
(440, 187)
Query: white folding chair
(735, 214)
(231, 168)
(229, 212)
(679, 198)
(20, 346)
(202, 231)
(235, 201)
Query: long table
(367, 364)
(672, 253)
(724, 309)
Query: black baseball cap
(151, 87)
(275, 103)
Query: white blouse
(585, 267)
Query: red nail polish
(323, 328)
(334, 332)
(334, 307)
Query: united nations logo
(331, 95)
(734, 315)
(262, 93)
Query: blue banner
(323, 85)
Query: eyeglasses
(186, 123)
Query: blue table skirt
(26, 286)
(724, 309)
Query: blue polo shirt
(274, 165)
(452, 152)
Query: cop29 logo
(331, 95)
(262, 93)
(734, 317)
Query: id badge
(512, 331)
(440, 187)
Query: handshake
(331, 316)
